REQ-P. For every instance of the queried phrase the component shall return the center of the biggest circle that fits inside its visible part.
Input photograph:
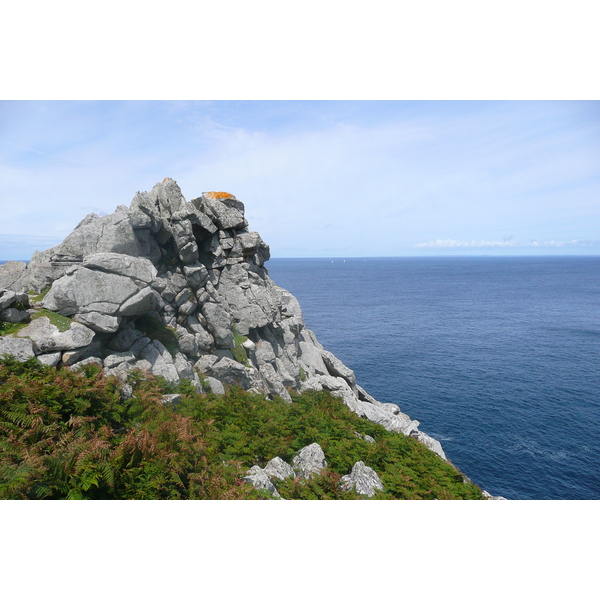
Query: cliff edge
(178, 289)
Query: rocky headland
(180, 290)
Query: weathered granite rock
(309, 461)
(337, 368)
(219, 324)
(51, 359)
(113, 233)
(278, 469)
(362, 479)
(92, 360)
(82, 290)
(216, 387)
(142, 302)
(99, 322)
(431, 443)
(40, 273)
(10, 273)
(7, 298)
(488, 496)
(230, 372)
(48, 338)
(21, 349)
(113, 360)
(70, 357)
(260, 480)
(227, 213)
(121, 264)
(205, 363)
(161, 362)
(14, 315)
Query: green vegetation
(303, 375)
(11, 328)
(35, 297)
(238, 351)
(156, 330)
(63, 323)
(71, 435)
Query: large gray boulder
(47, 337)
(11, 272)
(113, 233)
(231, 372)
(82, 290)
(261, 481)
(337, 368)
(21, 349)
(7, 298)
(278, 468)
(99, 322)
(309, 461)
(161, 362)
(362, 479)
(219, 324)
(141, 269)
(227, 212)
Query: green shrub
(71, 435)
(157, 330)
(238, 351)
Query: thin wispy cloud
(509, 244)
(389, 177)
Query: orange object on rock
(217, 195)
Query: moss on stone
(238, 351)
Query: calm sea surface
(498, 358)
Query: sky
(318, 178)
(357, 177)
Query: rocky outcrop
(362, 479)
(180, 289)
(310, 461)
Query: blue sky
(318, 178)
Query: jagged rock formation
(311, 461)
(179, 288)
(362, 479)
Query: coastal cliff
(180, 290)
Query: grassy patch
(11, 328)
(238, 351)
(63, 323)
(35, 297)
(157, 330)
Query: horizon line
(349, 257)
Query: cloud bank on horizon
(318, 178)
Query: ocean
(497, 357)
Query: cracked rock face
(179, 288)
(362, 479)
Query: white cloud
(464, 244)
(385, 182)
(509, 243)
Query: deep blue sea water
(498, 358)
